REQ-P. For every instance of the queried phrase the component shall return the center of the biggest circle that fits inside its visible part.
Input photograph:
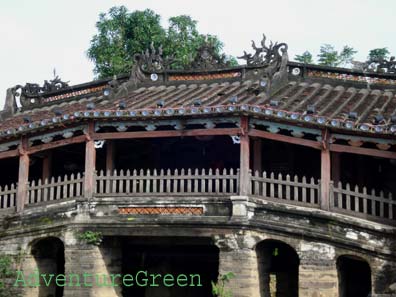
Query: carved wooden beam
(284, 138)
(166, 133)
(9, 154)
(362, 151)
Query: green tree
(346, 55)
(329, 56)
(305, 57)
(378, 54)
(121, 34)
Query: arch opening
(49, 255)
(354, 275)
(278, 269)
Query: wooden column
(110, 155)
(257, 158)
(335, 167)
(23, 175)
(47, 166)
(325, 173)
(244, 182)
(90, 160)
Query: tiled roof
(312, 97)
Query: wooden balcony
(301, 191)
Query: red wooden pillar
(257, 158)
(47, 166)
(90, 160)
(325, 173)
(110, 155)
(244, 182)
(23, 175)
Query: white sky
(38, 36)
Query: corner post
(23, 175)
(325, 173)
(244, 180)
(90, 160)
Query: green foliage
(90, 237)
(305, 57)
(7, 272)
(346, 55)
(122, 34)
(378, 54)
(218, 288)
(328, 56)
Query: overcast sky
(38, 36)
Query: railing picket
(210, 181)
(64, 185)
(71, 190)
(101, 182)
(12, 196)
(78, 185)
(280, 186)
(51, 189)
(39, 190)
(45, 190)
(141, 181)
(348, 196)
(224, 182)
(168, 181)
(295, 188)
(59, 188)
(189, 180)
(161, 181)
(304, 189)
(217, 173)
(356, 199)
(312, 190)
(287, 187)
(182, 175)
(381, 204)
(155, 180)
(113, 186)
(148, 181)
(391, 202)
(121, 182)
(108, 182)
(175, 181)
(365, 200)
(128, 182)
(232, 180)
(272, 185)
(6, 196)
(373, 204)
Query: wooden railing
(285, 189)
(167, 182)
(8, 196)
(67, 187)
(279, 188)
(361, 202)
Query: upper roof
(269, 86)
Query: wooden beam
(47, 166)
(167, 133)
(55, 144)
(23, 176)
(257, 157)
(362, 151)
(110, 153)
(90, 160)
(9, 154)
(244, 180)
(284, 138)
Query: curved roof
(306, 95)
